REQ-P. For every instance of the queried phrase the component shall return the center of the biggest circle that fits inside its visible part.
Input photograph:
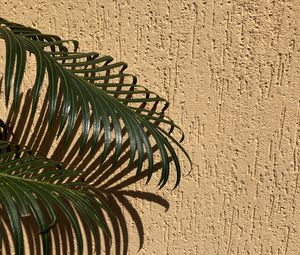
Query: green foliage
(105, 101)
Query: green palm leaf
(111, 106)
(31, 184)
(87, 84)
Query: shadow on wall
(113, 183)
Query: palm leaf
(88, 85)
(109, 102)
(34, 185)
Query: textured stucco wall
(230, 70)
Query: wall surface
(231, 71)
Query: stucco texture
(231, 71)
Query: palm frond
(34, 185)
(97, 88)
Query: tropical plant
(123, 125)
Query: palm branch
(115, 112)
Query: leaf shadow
(112, 183)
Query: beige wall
(231, 71)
